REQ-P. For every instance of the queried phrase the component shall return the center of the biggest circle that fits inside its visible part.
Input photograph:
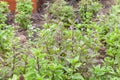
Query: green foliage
(84, 51)
(3, 12)
(6, 40)
(88, 9)
(61, 10)
(23, 16)
(5, 30)
(58, 54)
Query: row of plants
(8, 39)
(83, 50)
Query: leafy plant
(88, 9)
(5, 30)
(60, 10)
(3, 12)
(84, 51)
(6, 41)
(24, 10)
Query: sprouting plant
(88, 9)
(84, 51)
(24, 10)
(3, 12)
(61, 10)
(5, 30)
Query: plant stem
(38, 65)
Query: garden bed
(65, 40)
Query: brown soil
(107, 4)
